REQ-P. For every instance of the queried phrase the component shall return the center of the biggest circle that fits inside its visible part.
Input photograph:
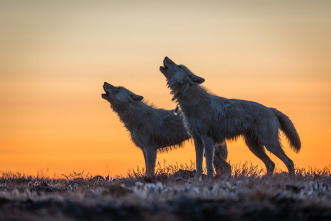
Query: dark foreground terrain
(168, 196)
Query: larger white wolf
(211, 119)
(154, 129)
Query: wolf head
(119, 95)
(179, 74)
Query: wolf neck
(192, 96)
(130, 114)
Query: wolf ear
(136, 98)
(195, 79)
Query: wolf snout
(107, 86)
(168, 62)
(165, 61)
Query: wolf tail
(288, 128)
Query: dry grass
(246, 195)
(246, 169)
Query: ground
(170, 195)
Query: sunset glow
(55, 56)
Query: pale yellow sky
(55, 56)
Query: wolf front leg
(150, 158)
(198, 156)
(208, 143)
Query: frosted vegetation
(170, 195)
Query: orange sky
(55, 56)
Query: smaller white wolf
(154, 129)
(211, 119)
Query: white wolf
(154, 129)
(211, 119)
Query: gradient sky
(55, 56)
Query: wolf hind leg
(258, 150)
(275, 148)
(221, 167)
(220, 156)
(221, 150)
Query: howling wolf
(154, 129)
(211, 119)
